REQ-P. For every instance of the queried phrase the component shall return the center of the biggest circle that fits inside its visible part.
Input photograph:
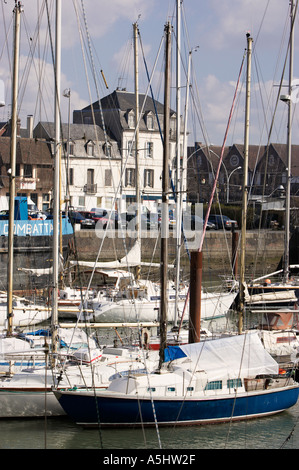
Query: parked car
(77, 218)
(108, 218)
(222, 221)
(149, 221)
(171, 220)
(192, 222)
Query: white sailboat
(27, 391)
(123, 298)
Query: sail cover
(235, 356)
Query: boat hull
(213, 306)
(33, 249)
(26, 403)
(89, 410)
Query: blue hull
(91, 410)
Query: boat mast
(178, 159)
(245, 187)
(56, 195)
(13, 150)
(137, 181)
(165, 201)
(289, 151)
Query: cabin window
(234, 383)
(190, 389)
(214, 385)
(171, 389)
(151, 389)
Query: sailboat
(27, 391)
(16, 310)
(204, 382)
(271, 288)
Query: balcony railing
(90, 188)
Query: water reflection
(61, 433)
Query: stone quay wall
(264, 250)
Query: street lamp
(228, 178)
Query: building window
(150, 121)
(234, 160)
(149, 178)
(90, 176)
(71, 176)
(149, 149)
(130, 177)
(131, 119)
(108, 178)
(27, 171)
(71, 148)
(90, 149)
(172, 130)
(46, 201)
(81, 201)
(130, 148)
(107, 150)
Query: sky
(98, 35)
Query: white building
(118, 111)
(98, 161)
(92, 164)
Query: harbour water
(280, 431)
(277, 432)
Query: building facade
(118, 111)
(267, 171)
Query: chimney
(30, 126)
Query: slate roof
(29, 151)
(77, 131)
(124, 100)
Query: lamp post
(228, 178)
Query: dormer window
(172, 126)
(71, 148)
(150, 121)
(131, 119)
(107, 149)
(90, 149)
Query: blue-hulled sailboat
(232, 378)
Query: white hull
(24, 313)
(28, 393)
(144, 310)
(28, 404)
